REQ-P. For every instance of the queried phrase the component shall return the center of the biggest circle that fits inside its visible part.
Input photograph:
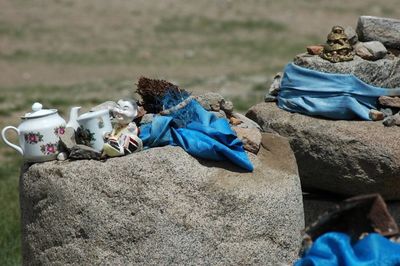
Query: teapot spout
(73, 115)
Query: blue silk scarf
(206, 136)
(335, 96)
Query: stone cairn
(371, 53)
(346, 158)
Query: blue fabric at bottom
(333, 249)
(206, 137)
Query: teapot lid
(37, 111)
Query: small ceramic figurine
(337, 47)
(124, 137)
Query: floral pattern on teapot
(49, 148)
(59, 130)
(33, 138)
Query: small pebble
(376, 115)
(62, 156)
(270, 98)
(315, 49)
(389, 121)
(386, 111)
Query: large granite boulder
(162, 206)
(385, 30)
(382, 73)
(346, 157)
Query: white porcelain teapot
(39, 134)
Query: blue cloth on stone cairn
(334, 96)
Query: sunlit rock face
(163, 206)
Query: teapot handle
(3, 136)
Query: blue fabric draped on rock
(332, 249)
(206, 137)
(335, 96)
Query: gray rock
(251, 138)
(270, 98)
(79, 152)
(246, 122)
(276, 84)
(346, 157)
(210, 101)
(227, 106)
(376, 115)
(386, 111)
(385, 30)
(316, 205)
(62, 156)
(389, 101)
(351, 35)
(163, 207)
(67, 140)
(383, 73)
(389, 121)
(393, 120)
(372, 50)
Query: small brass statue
(337, 47)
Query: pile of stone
(338, 159)
(390, 109)
(374, 38)
(376, 42)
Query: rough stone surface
(351, 35)
(210, 101)
(383, 73)
(163, 207)
(376, 115)
(389, 121)
(315, 49)
(246, 122)
(270, 98)
(67, 140)
(372, 50)
(227, 106)
(393, 120)
(347, 157)
(385, 30)
(251, 138)
(316, 205)
(79, 152)
(389, 101)
(387, 111)
(276, 84)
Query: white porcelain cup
(97, 123)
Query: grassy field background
(65, 53)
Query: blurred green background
(66, 53)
